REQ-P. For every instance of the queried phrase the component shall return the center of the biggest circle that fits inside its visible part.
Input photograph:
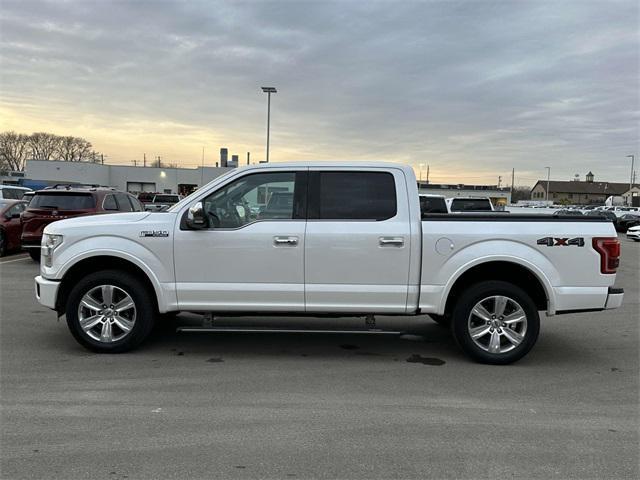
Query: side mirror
(196, 218)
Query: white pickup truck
(342, 240)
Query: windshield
(63, 201)
(195, 194)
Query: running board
(280, 330)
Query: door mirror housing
(196, 217)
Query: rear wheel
(110, 312)
(495, 322)
(34, 253)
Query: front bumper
(47, 291)
(614, 298)
(633, 234)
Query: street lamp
(268, 91)
(631, 177)
(548, 176)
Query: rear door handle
(391, 241)
(285, 241)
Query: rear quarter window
(63, 201)
(468, 205)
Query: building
(499, 196)
(40, 173)
(577, 192)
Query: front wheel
(110, 311)
(495, 322)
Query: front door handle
(285, 241)
(391, 241)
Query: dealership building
(41, 173)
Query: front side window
(258, 196)
(123, 202)
(355, 196)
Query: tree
(14, 150)
(44, 146)
(75, 149)
(520, 193)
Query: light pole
(548, 177)
(268, 91)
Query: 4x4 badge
(154, 233)
(561, 242)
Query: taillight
(609, 250)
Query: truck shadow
(423, 342)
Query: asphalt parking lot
(242, 405)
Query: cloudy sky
(471, 88)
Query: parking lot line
(15, 259)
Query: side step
(279, 330)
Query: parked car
(146, 197)
(353, 243)
(612, 217)
(634, 233)
(10, 228)
(162, 201)
(432, 204)
(12, 192)
(55, 204)
(469, 204)
(627, 221)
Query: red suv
(10, 211)
(61, 202)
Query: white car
(352, 242)
(634, 233)
(469, 204)
(13, 192)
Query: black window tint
(63, 201)
(12, 193)
(356, 196)
(432, 205)
(123, 202)
(109, 203)
(470, 205)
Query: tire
(495, 342)
(442, 320)
(3, 244)
(128, 327)
(34, 253)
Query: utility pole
(248, 157)
(427, 174)
(268, 91)
(144, 159)
(513, 177)
(421, 167)
(548, 177)
(499, 180)
(135, 163)
(203, 156)
(102, 158)
(631, 177)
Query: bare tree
(44, 146)
(14, 150)
(520, 193)
(75, 149)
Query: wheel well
(505, 271)
(95, 264)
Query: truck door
(251, 256)
(357, 245)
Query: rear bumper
(614, 298)
(47, 291)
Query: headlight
(49, 243)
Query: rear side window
(123, 202)
(12, 193)
(166, 199)
(63, 201)
(470, 205)
(109, 203)
(353, 196)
